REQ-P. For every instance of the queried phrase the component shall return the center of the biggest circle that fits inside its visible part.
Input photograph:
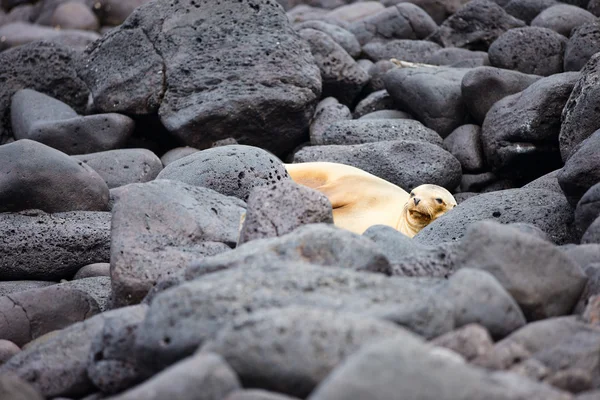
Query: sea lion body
(361, 200)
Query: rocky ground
(152, 245)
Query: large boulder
(211, 70)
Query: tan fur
(361, 200)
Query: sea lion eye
(412, 194)
(440, 201)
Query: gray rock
(171, 332)
(158, 227)
(520, 132)
(354, 12)
(582, 45)
(453, 55)
(57, 367)
(33, 313)
(586, 305)
(266, 73)
(477, 182)
(479, 298)
(114, 12)
(317, 244)
(573, 380)
(418, 370)
(592, 234)
(8, 287)
(341, 76)
(518, 261)
(475, 26)
(563, 18)
(124, 166)
(402, 21)
(530, 229)
(588, 209)
(399, 162)
(545, 209)
(410, 258)
(401, 49)
(91, 270)
(378, 100)
(257, 394)
(112, 366)
(182, 380)
(546, 182)
(177, 153)
(343, 37)
(14, 388)
(230, 170)
(367, 131)
(34, 175)
(433, 95)
(470, 341)
(482, 87)
(74, 15)
(531, 50)
(377, 72)
(583, 254)
(527, 10)
(96, 287)
(588, 395)
(464, 143)
(387, 114)
(277, 210)
(52, 246)
(19, 33)
(581, 170)
(328, 111)
(291, 350)
(44, 119)
(577, 118)
(7, 350)
(439, 10)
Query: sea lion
(360, 199)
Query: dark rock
(124, 166)
(573, 380)
(177, 153)
(387, 114)
(454, 55)
(239, 64)
(588, 209)
(410, 258)
(278, 210)
(592, 234)
(482, 87)
(257, 394)
(464, 143)
(230, 170)
(291, 350)
(470, 341)
(520, 132)
(328, 111)
(37, 245)
(19, 33)
(23, 13)
(171, 332)
(518, 260)
(399, 162)
(182, 380)
(578, 121)
(546, 182)
(8, 287)
(112, 366)
(462, 196)
(581, 171)
(439, 10)
(531, 50)
(401, 49)
(377, 72)
(594, 7)
(14, 388)
(433, 95)
(591, 313)
(316, 244)
(545, 209)
(158, 227)
(475, 26)
(75, 15)
(91, 270)
(341, 36)
(418, 370)
(33, 313)
(582, 45)
(403, 21)
(527, 10)
(478, 182)
(342, 78)
(7, 350)
(563, 18)
(34, 175)
(53, 73)
(57, 367)
(39, 117)
(368, 131)
(378, 100)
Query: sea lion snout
(417, 201)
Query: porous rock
(328, 111)
(563, 18)
(588, 209)
(581, 171)
(401, 49)
(582, 45)
(527, 10)
(8, 287)
(341, 36)
(453, 55)
(375, 101)
(21, 32)
(464, 143)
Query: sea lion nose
(417, 201)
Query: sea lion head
(425, 204)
